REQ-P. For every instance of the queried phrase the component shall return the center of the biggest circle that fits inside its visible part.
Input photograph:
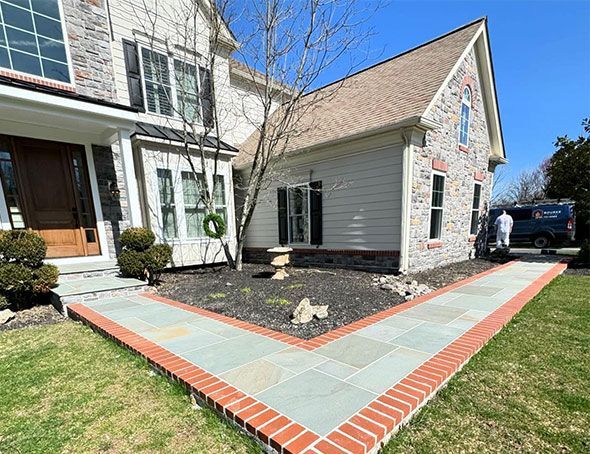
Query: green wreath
(218, 223)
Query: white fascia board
(177, 144)
(102, 113)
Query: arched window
(465, 117)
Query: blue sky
(541, 52)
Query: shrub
(45, 278)
(22, 246)
(141, 258)
(132, 263)
(137, 239)
(15, 278)
(4, 303)
(584, 252)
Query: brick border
(370, 427)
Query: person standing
(503, 225)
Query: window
(167, 205)
(465, 117)
(436, 206)
(158, 89)
(521, 214)
(32, 39)
(194, 208)
(187, 91)
(475, 209)
(10, 191)
(298, 213)
(220, 201)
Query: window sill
(37, 80)
(464, 148)
(434, 244)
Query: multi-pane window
(187, 91)
(194, 208)
(167, 205)
(436, 205)
(220, 200)
(32, 39)
(475, 209)
(298, 212)
(465, 117)
(158, 89)
(10, 191)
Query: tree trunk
(238, 259)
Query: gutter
(407, 180)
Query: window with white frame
(32, 39)
(167, 204)
(194, 208)
(465, 117)
(475, 209)
(187, 91)
(298, 213)
(220, 199)
(436, 205)
(158, 88)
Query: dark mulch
(37, 315)
(251, 295)
(576, 268)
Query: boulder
(304, 312)
(6, 315)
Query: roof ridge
(407, 51)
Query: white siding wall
(361, 201)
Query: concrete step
(94, 288)
(76, 271)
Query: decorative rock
(304, 312)
(6, 315)
(387, 287)
(407, 288)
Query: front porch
(67, 171)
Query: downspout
(407, 179)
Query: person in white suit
(503, 225)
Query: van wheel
(541, 242)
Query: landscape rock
(304, 312)
(407, 288)
(6, 315)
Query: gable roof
(388, 93)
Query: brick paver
(344, 391)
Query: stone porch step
(76, 271)
(94, 288)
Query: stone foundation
(376, 261)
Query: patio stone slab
(381, 332)
(256, 376)
(336, 369)
(387, 371)
(479, 290)
(435, 313)
(218, 328)
(354, 350)
(295, 359)
(428, 337)
(472, 302)
(316, 400)
(182, 338)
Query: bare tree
(527, 186)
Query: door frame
(94, 198)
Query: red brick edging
(365, 431)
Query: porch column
(131, 185)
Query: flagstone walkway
(344, 391)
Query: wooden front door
(56, 199)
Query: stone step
(76, 271)
(94, 288)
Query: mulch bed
(37, 315)
(251, 295)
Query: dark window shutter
(282, 210)
(131, 54)
(315, 212)
(206, 96)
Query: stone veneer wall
(377, 261)
(109, 168)
(443, 144)
(89, 41)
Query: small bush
(216, 296)
(22, 246)
(4, 303)
(132, 263)
(584, 252)
(45, 278)
(15, 278)
(246, 290)
(137, 238)
(277, 301)
(141, 258)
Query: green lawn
(65, 389)
(528, 390)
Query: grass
(246, 290)
(527, 390)
(277, 301)
(294, 286)
(65, 389)
(216, 296)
